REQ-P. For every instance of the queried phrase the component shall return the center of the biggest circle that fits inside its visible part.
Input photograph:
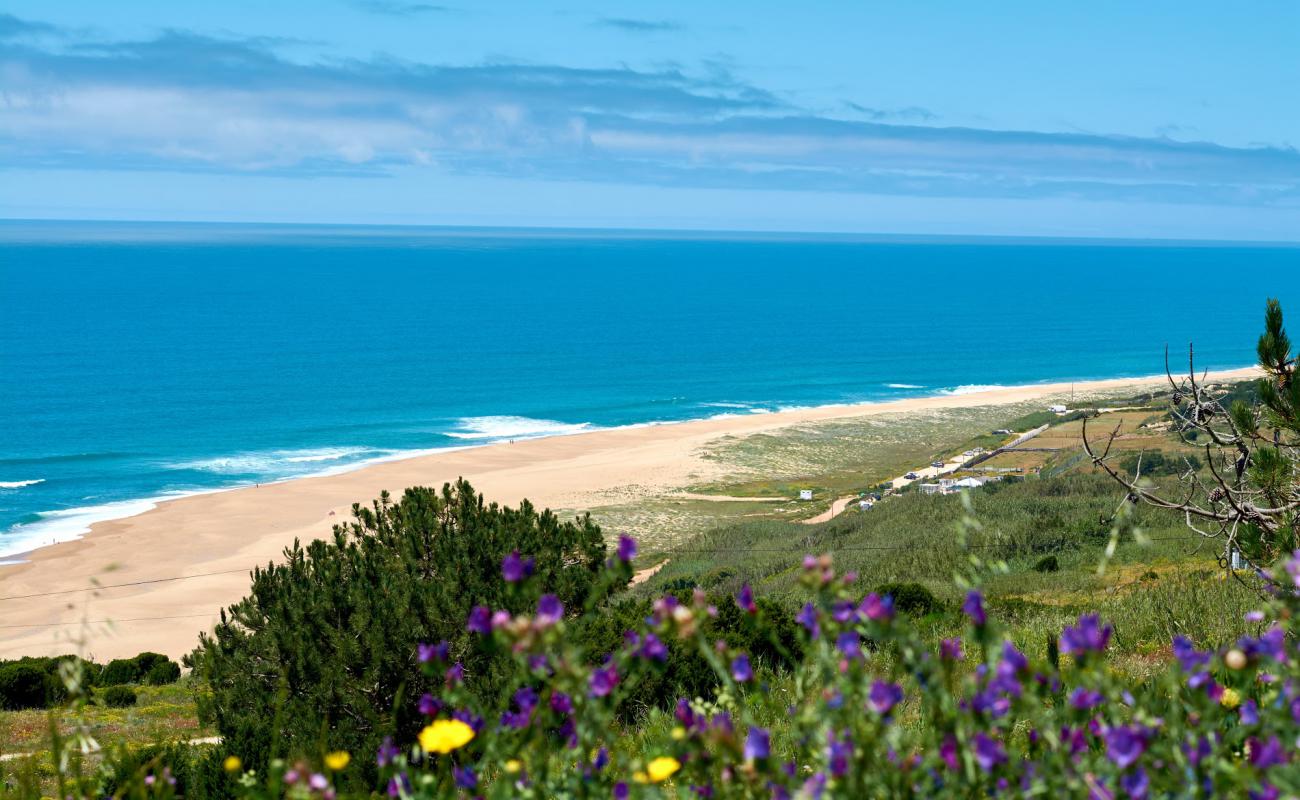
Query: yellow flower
(1230, 698)
(445, 735)
(514, 765)
(662, 768)
(338, 760)
(679, 733)
(232, 763)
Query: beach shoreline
(166, 573)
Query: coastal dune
(155, 580)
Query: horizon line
(597, 231)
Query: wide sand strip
(45, 603)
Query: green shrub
(163, 672)
(119, 696)
(1047, 564)
(327, 638)
(118, 672)
(911, 598)
(22, 686)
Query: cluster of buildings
(950, 485)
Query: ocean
(144, 361)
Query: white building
(1057, 408)
(805, 494)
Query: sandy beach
(48, 603)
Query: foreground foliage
(326, 640)
(874, 711)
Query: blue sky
(1160, 119)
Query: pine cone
(1133, 498)
(1216, 496)
(1178, 398)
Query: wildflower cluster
(875, 711)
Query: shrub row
(35, 683)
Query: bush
(327, 639)
(22, 686)
(911, 598)
(1047, 564)
(118, 672)
(119, 696)
(163, 672)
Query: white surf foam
(973, 388)
(270, 461)
(508, 427)
(20, 484)
(67, 524)
(903, 386)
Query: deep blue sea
(143, 361)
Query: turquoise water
(143, 361)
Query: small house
(931, 488)
(1057, 408)
(805, 494)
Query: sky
(1111, 119)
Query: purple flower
(1089, 636)
(430, 705)
(1125, 744)
(686, 715)
(455, 674)
(480, 621)
(843, 611)
(740, 669)
(877, 608)
(1084, 699)
(849, 644)
(988, 751)
(432, 652)
(514, 569)
(318, 782)
(948, 751)
(1266, 754)
(549, 610)
(386, 753)
(469, 718)
(1189, 658)
(653, 649)
(758, 744)
(620, 791)
(973, 607)
(1271, 645)
(601, 760)
(603, 681)
(1197, 751)
(950, 649)
(841, 750)
(884, 696)
(525, 700)
(561, 703)
(745, 599)
(465, 777)
(626, 548)
(1249, 713)
(399, 785)
(1135, 784)
(808, 618)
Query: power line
(121, 585)
(104, 621)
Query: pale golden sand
(228, 532)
